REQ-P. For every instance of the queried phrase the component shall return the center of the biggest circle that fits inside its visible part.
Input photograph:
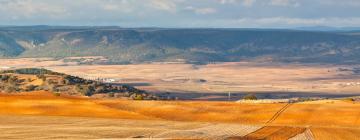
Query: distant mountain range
(327, 28)
(134, 45)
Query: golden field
(31, 114)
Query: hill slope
(31, 79)
(192, 45)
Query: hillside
(30, 79)
(27, 115)
(132, 45)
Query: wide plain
(215, 81)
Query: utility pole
(229, 96)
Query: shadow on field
(259, 95)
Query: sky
(182, 13)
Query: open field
(54, 127)
(43, 115)
(214, 81)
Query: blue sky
(182, 13)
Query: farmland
(74, 117)
(202, 111)
(215, 81)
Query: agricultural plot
(273, 133)
(214, 131)
(336, 133)
(24, 115)
(321, 114)
(221, 78)
(307, 135)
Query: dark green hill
(192, 45)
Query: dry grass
(336, 133)
(274, 133)
(317, 114)
(43, 127)
(180, 119)
(322, 114)
(48, 104)
(199, 111)
(43, 103)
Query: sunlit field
(173, 119)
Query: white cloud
(110, 7)
(287, 21)
(247, 3)
(284, 3)
(166, 5)
(352, 3)
(222, 13)
(227, 1)
(276, 22)
(28, 8)
(201, 11)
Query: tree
(30, 88)
(250, 97)
(137, 97)
(85, 90)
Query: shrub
(10, 89)
(85, 90)
(349, 99)
(30, 88)
(250, 97)
(137, 97)
(111, 94)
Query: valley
(180, 70)
(215, 81)
(292, 101)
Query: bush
(137, 97)
(9, 89)
(349, 99)
(250, 97)
(85, 90)
(30, 88)
(111, 94)
(57, 94)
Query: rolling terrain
(32, 79)
(59, 82)
(135, 45)
(43, 115)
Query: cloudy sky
(182, 13)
